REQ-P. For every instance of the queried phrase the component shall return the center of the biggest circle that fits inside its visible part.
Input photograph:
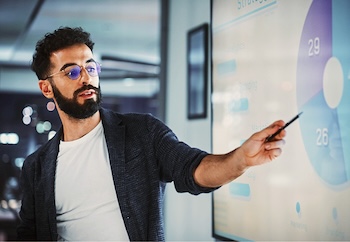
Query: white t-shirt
(86, 203)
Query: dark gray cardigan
(144, 155)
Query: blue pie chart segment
(341, 49)
(324, 53)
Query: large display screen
(273, 59)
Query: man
(103, 175)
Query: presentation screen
(273, 59)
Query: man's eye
(73, 73)
(91, 69)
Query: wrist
(239, 161)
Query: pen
(271, 137)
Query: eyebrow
(72, 64)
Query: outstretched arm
(217, 170)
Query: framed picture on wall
(197, 72)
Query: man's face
(78, 98)
(73, 108)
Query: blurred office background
(142, 47)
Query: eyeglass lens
(92, 68)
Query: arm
(26, 229)
(217, 170)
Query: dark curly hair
(59, 39)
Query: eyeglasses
(73, 72)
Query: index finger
(270, 130)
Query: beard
(71, 106)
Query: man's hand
(217, 170)
(257, 151)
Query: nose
(85, 78)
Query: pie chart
(323, 89)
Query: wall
(187, 217)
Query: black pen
(271, 137)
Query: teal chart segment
(323, 89)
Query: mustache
(87, 87)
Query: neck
(74, 129)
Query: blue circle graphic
(325, 129)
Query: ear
(46, 88)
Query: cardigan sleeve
(177, 161)
(27, 227)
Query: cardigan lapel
(114, 132)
